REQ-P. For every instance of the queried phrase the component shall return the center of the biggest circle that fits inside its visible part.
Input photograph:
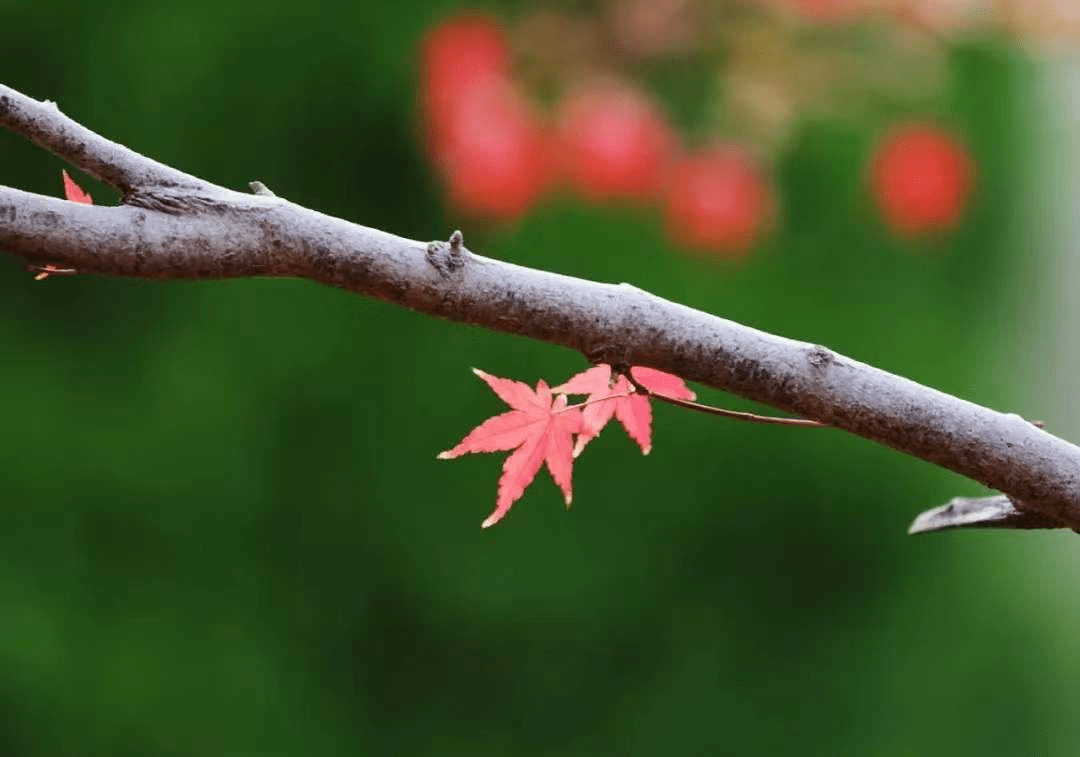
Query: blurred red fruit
(482, 133)
(718, 200)
(921, 177)
(492, 150)
(614, 143)
(458, 51)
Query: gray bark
(170, 225)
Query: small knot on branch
(261, 189)
(820, 357)
(997, 511)
(447, 257)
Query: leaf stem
(586, 403)
(735, 415)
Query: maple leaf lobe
(610, 396)
(539, 429)
(74, 192)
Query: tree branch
(174, 226)
(116, 165)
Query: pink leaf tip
(74, 192)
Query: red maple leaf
(632, 409)
(540, 429)
(74, 192)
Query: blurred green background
(224, 530)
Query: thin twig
(120, 167)
(735, 415)
(593, 401)
(738, 415)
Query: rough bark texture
(170, 225)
